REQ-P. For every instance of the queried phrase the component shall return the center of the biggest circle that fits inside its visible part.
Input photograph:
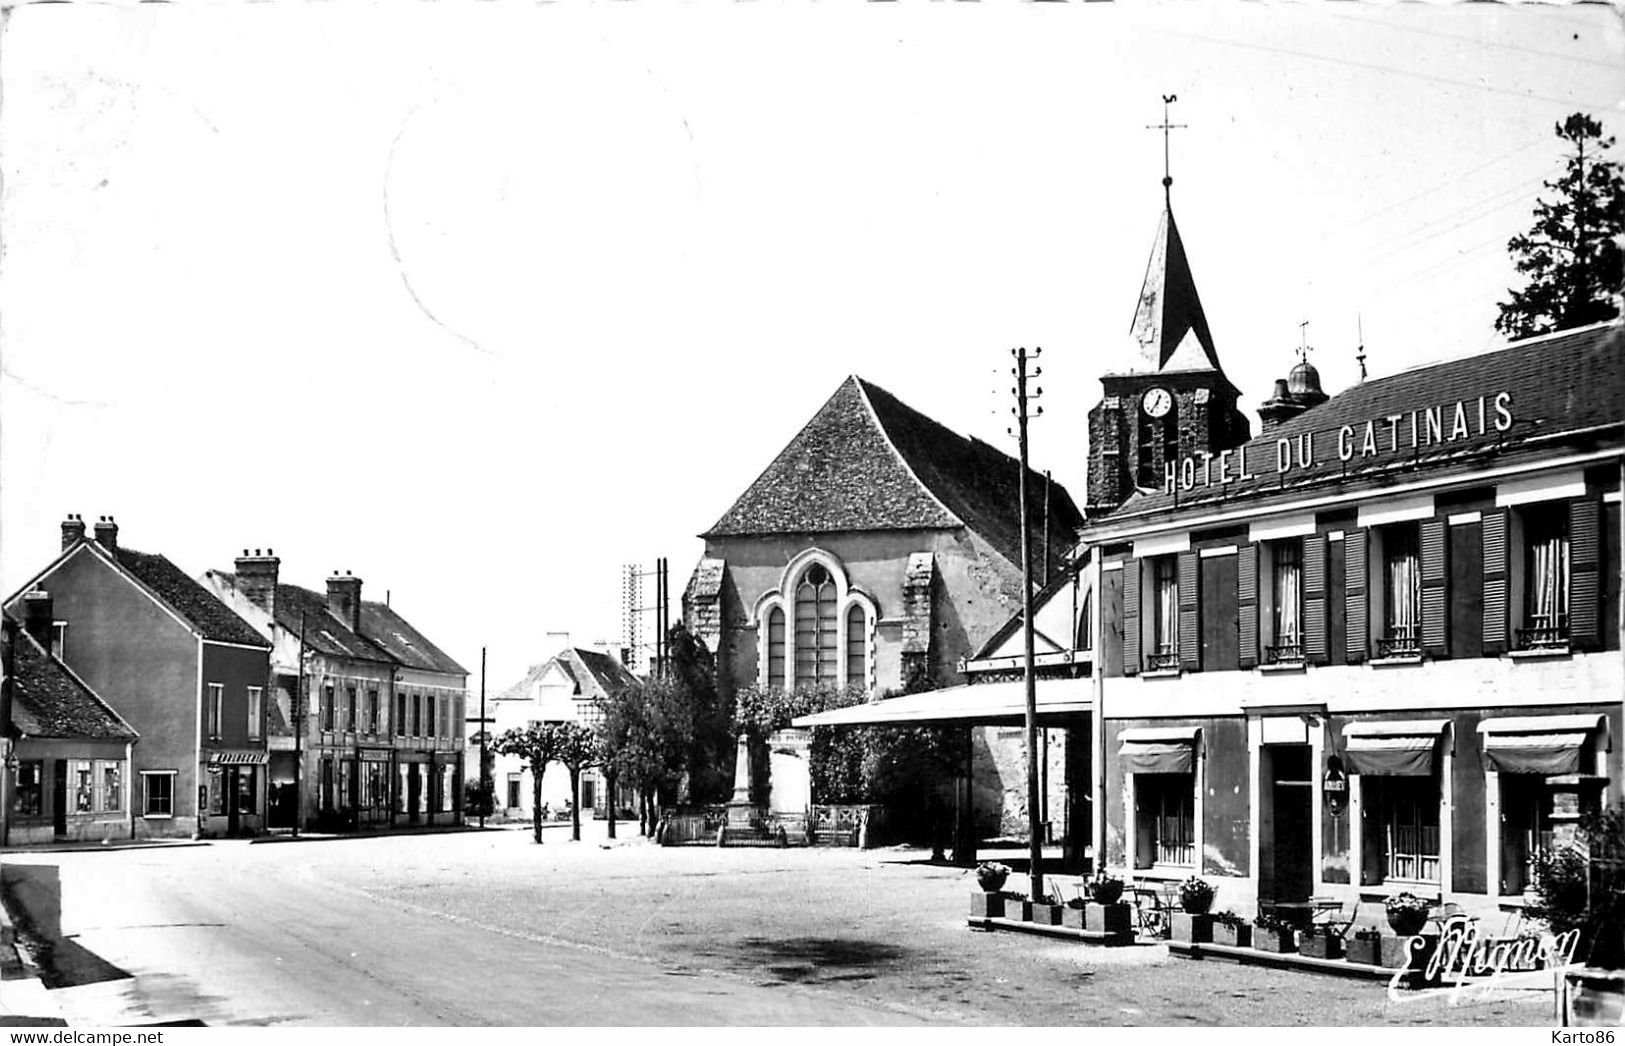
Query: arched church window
(815, 627)
(775, 649)
(857, 647)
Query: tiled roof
(608, 675)
(866, 461)
(389, 631)
(50, 701)
(596, 675)
(1561, 386)
(189, 599)
(323, 631)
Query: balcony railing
(1164, 662)
(1284, 654)
(1400, 642)
(1543, 637)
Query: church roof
(1561, 388)
(1170, 331)
(867, 461)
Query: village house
(177, 666)
(381, 740)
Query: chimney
(344, 599)
(107, 533)
(1278, 408)
(38, 616)
(73, 531)
(256, 579)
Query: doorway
(59, 798)
(1289, 835)
(414, 792)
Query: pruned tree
(692, 670)
(577, 750)
(646, 733)
(1572, 254)
(538, 744)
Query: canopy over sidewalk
(1060, 702)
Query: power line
(1604, 63)
(1453, 180)
(1515, 196)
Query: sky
(483, 301)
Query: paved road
(240, 934)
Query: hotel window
(1164, 614)
(430, 710)
(400, 715)
(1286, 594)
(255, 711)
(1545, 578)
(372, 711)
(1405, 813)
(1401, 592)
(327, 706)
(349, 708)
(417, 715)
(815, 627)
(30, 788)
(82, 779)
(158, 793)
(1165, 815)
(857, 647)
(775, 649)
(216, 707)
(112, 778)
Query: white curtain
(1548, 583)
(1167, 612)
(1404, 593)
(1288, 595)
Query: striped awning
(1393, 748)
(239, 757)
(1537, 744)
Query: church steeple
(1166, 396)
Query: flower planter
(1072, 918)
(1191, 928)
(986, 905)
(1364, 950)
(1233, 936)
(1047, 914)
(1018, 910)
(1396, 951)
(1109, 918)
(1275, 941)
(1319, 946)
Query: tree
(692, 669)
(1572, 254)
(578, 749)
(538, 744)
(646, 733)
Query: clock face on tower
(1156, 402)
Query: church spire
(1169, 325)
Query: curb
(71, 848)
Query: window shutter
(1585, 574)
(1493, 526)
(1314, 599)
(1190, 630)
(1435, 584)
(1357, 630)
(1247, 603)
(1131, 617)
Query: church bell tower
(1167, 396)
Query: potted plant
(1072, 913)
(1407, 913)
(988, 902)
(1016, 907)
(1273, 934)
(1321, 942)
(1046, 910)
(1106, 912)
(1231, 930)
(1193, 924)
(1365, 946)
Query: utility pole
(1029, 685)
(298, 732)
(488, 788)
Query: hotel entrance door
(1288, 851)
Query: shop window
(1286, 603)
(1164, 652)
(215, 709)
(29, 800)
(857, 647)
(112, 780)
(1165, 812)
(1545, 578)
(246, 787)
(1526, 829)
(1401, 592)
(346, 790)
(1402, 814)
(256, 711)
(815, 627)
(158, 793)
(327, 707)
(82, 780)
(216, 792)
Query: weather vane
(1165, 127)
(1304, 348)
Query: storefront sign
(1335, 785)
(1409, 430)
(1466, 962)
